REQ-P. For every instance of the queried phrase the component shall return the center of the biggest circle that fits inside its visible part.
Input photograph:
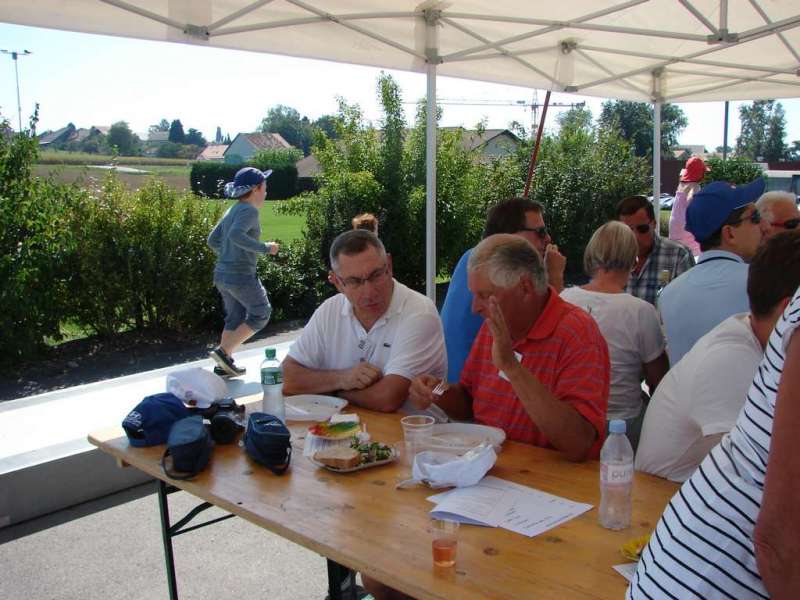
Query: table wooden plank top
(360, 520)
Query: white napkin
(442, 469)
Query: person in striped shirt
(539, 367)
(724, 529)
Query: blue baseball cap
(148, 424)
(714, 203)
(245, 180)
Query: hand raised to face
(502, 351)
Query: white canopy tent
(645, 50)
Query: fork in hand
(440, 388)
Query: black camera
(226, 420)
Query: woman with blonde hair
(629, 325)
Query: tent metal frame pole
(657, 80)
(432, 52)
(554, 26)
(503, 52)
(685, 59)
(725, 133)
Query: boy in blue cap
(236, 242)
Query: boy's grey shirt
(236, 241)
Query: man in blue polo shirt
(728, 226)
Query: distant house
(59, 136)
(68, 134)
(245, 145)
(686, 151)
(489, 144)
(158, 137)
(307, 170)
(214, 152)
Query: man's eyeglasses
(754, 217)
(540, 231)
(787, 224)
(354, 283)
(643, 228)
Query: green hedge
(208, 179)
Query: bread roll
(339, 457)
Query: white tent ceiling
(708, 49)
(647, 50)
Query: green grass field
(279, 227)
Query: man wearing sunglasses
(518, 216)
(779, 211)
(660, 260)
(725, 221)
(369, 341)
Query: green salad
(372, 452)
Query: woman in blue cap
(236, 242)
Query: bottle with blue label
(272, 384)
(616, 478)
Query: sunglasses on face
(754, 217)
(540, 231)
(643, 228)
(787, 224)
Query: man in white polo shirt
(369, 341)
(699, 399)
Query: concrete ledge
(61, 482)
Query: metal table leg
(169, 531)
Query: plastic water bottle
(272, 384)
(616, 478)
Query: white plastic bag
(196, 386)
(442, 469)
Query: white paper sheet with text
(483, 504)
(497, 502)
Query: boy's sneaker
(225, 375)
(225, 362)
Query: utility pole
(14, 54)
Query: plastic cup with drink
(445, 542)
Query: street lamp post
(14, 54)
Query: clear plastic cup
(445, 542)
(405, 452)
(418, 429)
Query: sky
(98, 80)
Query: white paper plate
(461, 437)
(312, 407)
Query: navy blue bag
(267, 441)
(189, 444)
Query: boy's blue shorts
(245, 303)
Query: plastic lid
(616, 426)
(269, 353)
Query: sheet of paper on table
(496, 502)
(627, 570)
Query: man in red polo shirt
(539, 368)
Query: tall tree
(635, 121)
(120, 136)
(287, 121)
(218, 136)
(763, 131)
(575, 119)
(162, 125)
(328, 124)
(176, 134)
(194, 137)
